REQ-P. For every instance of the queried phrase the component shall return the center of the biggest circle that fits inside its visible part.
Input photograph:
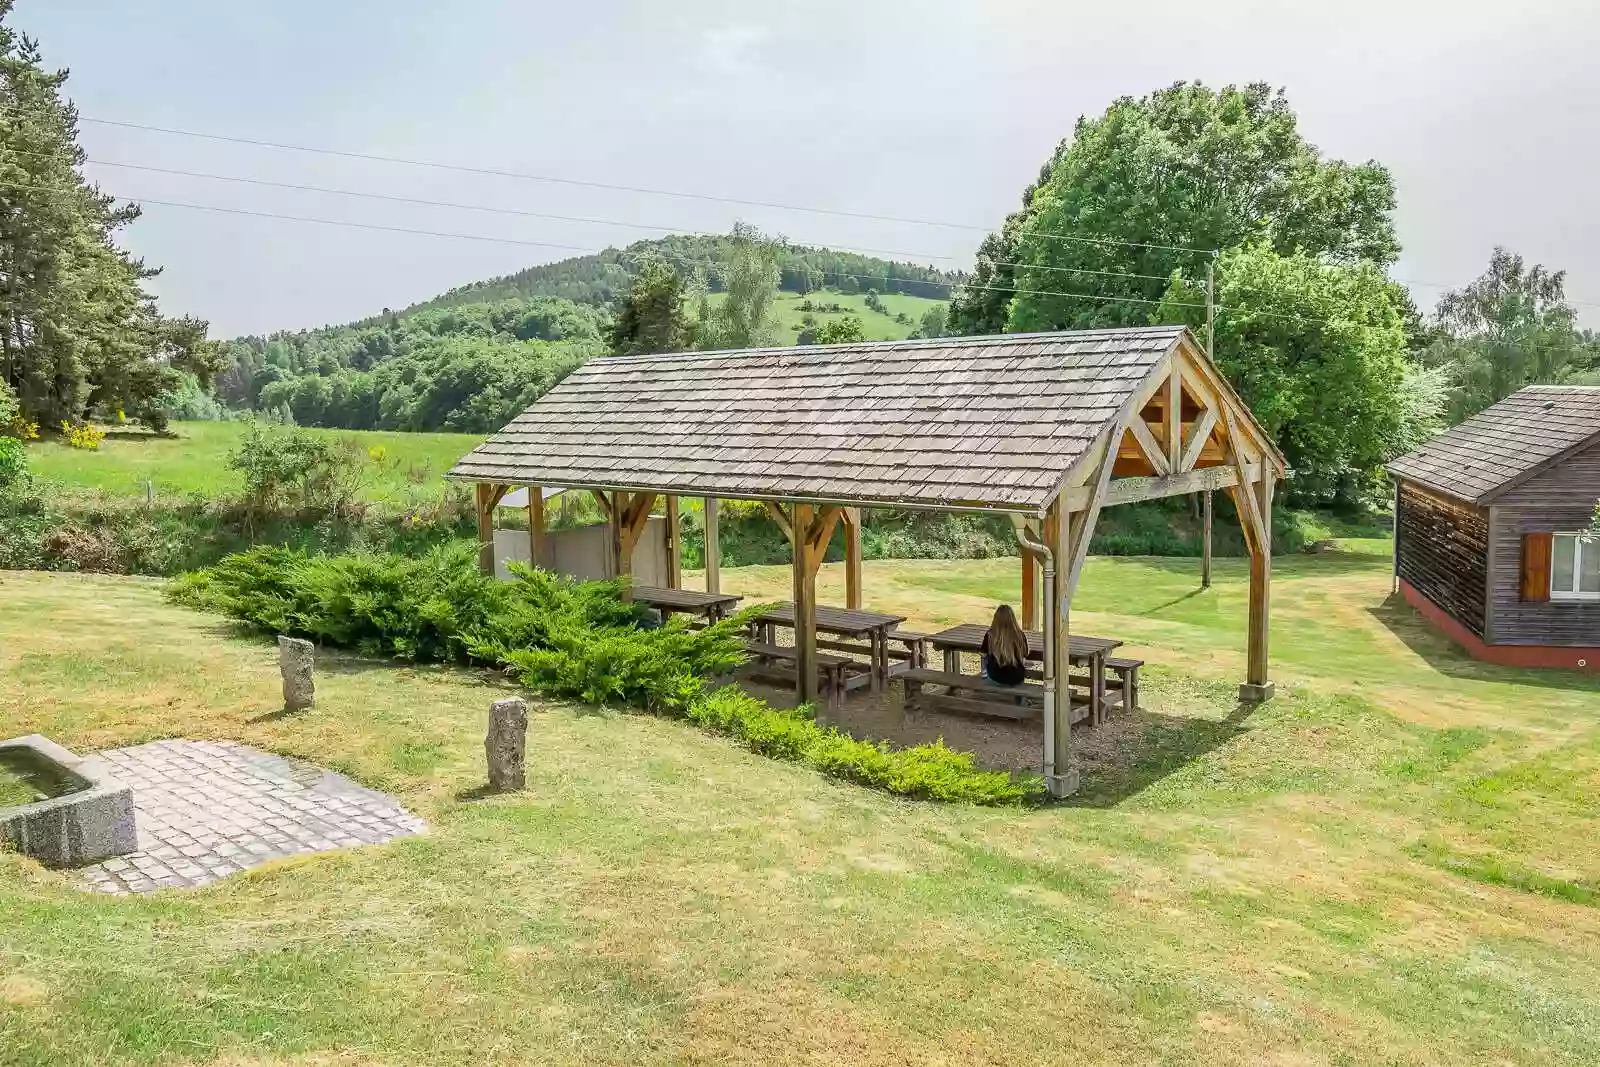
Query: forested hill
(602, 278)
(470, 358)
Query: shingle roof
(980, 421)
(1505, 444)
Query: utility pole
(1211, 307)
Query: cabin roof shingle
(952, 422)
(1506, 444)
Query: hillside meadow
(875, 325)
(1391, 863)
(193, 459)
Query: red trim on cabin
(1505, 655)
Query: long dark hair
(1008, 645)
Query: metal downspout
(1042, 551)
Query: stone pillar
(296, 658)
(506, 743)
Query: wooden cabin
(1490, 518)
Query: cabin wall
(1442, 551)
(1561, 498)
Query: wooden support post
(621, 552)
(674, 547)
(713, 546)
(812, 529)
(1058, 531)
(630, 512)
(536, 539)
(805, 604)
(1205, 540)
(1174, 416)
(852, 557)
(1257, 686)
(486, 497)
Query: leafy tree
(652, 318)
(841, 331)
(77, 330)
(745, 318)
(933, 322)
(1317, 350)
(1509, 328)
(1186, 167)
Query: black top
(1003, 674)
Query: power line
(610, 186)
(907, 257)
(643, 190)
(411, 231)
(591, 251)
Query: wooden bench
(916, 650)
(831, 668)
(1025, 701)
(1127, 672)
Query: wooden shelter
(1489, 524)
(1047, 428)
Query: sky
(929, 110)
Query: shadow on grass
(1133, 752)
(482, 792)
(1448, 658)
(284, 712)
(140, 435)
(1327, 563)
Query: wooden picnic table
(709, 606)
(1081, 649)
(852, 623)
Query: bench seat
(831, 668)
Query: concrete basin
(62, 810)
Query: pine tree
(651, 317)
(77, 330)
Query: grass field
(1391, 863)
(875, 325)
(194, 459)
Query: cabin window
(1575, 567)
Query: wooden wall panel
(1515, 621)
(1442, 549)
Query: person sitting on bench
(1005, 649)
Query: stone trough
(62, 810)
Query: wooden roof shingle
(952, 422)
(1506, 444)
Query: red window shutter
(1536, 552)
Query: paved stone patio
(208, 809)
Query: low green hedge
(567, 639)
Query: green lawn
(1391, 863)
(194, 459)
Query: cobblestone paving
(208, 809)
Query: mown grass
(193, 459)
(1368, 870)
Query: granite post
(505, 745)
(296, 659)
